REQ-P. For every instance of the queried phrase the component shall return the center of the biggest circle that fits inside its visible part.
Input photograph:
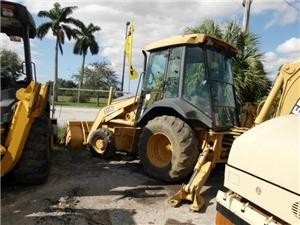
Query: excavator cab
(196, 79)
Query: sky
(275, 22)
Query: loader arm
(31, 104)
(120, 111)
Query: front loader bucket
(76, 134)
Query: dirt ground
(83, 190)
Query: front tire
(101, 144)
(34, 165)
(168, 148)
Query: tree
(207, 27)
(251, 81)
(99, 76)
(59, 22)
(10, 64)
(62, 83)
(85, 41)
(250, 78)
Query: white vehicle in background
(262, 175)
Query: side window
(195, 87)
(174, 64)
(222, 90)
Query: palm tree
(250, 78)
(59, 22)
(207, 27)
(85, 41)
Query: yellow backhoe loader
(267, 191)
(25, 125)
(183, 121)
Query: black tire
(106, 135)
(160, 134)
(34, 164)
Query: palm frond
(71, 20)
(207, 27)
(43, 29)
(78, 47)
(66, 11)
(94, 47)
(44, 14)
(86, 39)
(250, 77)
(70, 32)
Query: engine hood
(271, 152)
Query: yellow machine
(253, 190)
(25, 124)
(183, 121)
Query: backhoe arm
(215, 148)
(288, 83)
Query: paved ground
(83, 190)
(64, 113)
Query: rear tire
(168, 148)
(34, 164)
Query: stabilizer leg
(191, 191)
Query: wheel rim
(100, 145)
(159, 150)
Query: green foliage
(84, 98)
(59, 21)
(99, 75)
(86, 40)
(62, 83)
(92, 101)
(196, 72)
(250, 78)
(10, 64)
(207, 27)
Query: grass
(92, 102)
(60, 132)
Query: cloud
(290, 46)
(272, 62)
(280, 12)
(154, 20)
(287, 51)
(13, 46)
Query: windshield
(154, 79)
